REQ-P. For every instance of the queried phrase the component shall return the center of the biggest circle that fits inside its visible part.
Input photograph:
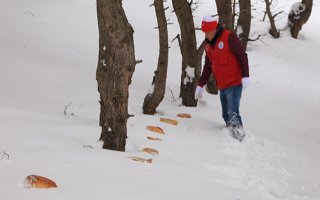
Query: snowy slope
(48, 56)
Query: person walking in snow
(227, 61)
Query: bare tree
(211, 86)
(244, 21)
(273, 30)
(225, 13)
(299, 15)
(191, 55)
(115, 67)
(235, 15)
(153, 99)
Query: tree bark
(191, 64)
(298, 16)
(244, 21)
(115, 67)
(211, 86)
(153, 99)
(225, 13)
(273, 30)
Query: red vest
(225, 66)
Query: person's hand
(245, 82)
(198, 93)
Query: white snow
(189, 75)
(103, 62)
(48, 58)
(298, 8)
(239, 30)
(151, 89)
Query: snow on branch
(189, 75)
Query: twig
(138, 61)
(29, 12)
(66, 108)
(4, 154)
(274, 16)
(179, 41)
(174, 100)
(190, 129)
(87, 146)
(253, 40)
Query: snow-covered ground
(49, 112)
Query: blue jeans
(230, 102)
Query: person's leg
(236, 101)
(233, 96)
(224, 106)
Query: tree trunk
(114, 71)
(191, 67)
(299, 15)
(225, 13)
(244, 21)
(153, 99)
(273, 30)
(211, 86)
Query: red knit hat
(209, 23)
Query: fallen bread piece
(151, 151)
(155, 129)
(154, 138)
(169, 121)
(143, 160)
(184, 115)
(35, 181)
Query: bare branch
(216, 15)
(87, 146)
(30, 13)
(264, 16)
(174, 100)
(66, 108)
(179, 41)
(201, 47)
(138, 61)
(274, 16)
(4, 154)
(253, 40)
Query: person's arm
(206, 72)
(237, 49)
